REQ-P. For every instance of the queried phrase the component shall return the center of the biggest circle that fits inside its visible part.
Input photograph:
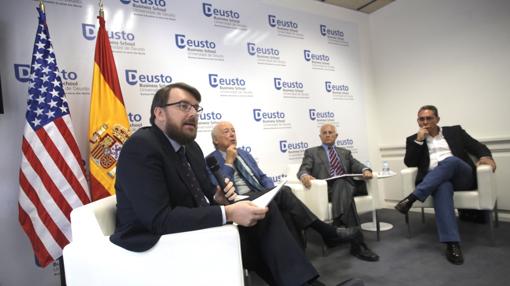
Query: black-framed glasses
(428, 118)
(185, 106)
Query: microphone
(214, 167)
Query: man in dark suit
(242, 169)
(442, 157)
(163, 187)
(326, 160)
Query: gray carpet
(416, 261)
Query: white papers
(344, 176)
(266, 198)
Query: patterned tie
(193, 184)
(250, 180)
(334, 163)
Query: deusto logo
(309, 56)
(292, 146)
(259, 115)
(89, 33)
(182, 42)
(330, 87)
(134, 117)
(157, 3)
(215, 81)
(245, 148)
(254, 50)
(22, 73)
(210, 116)
(274, 22)
(132, 78)
(344, 142)
(278, 177)
(325, 31)
(279, 84)
(324, 115)
(210, 11)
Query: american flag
(52, 180)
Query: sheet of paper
(344, 176)
(266, 198)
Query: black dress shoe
(453, 253)
(361, 251)
(404, 205)
(343, 234)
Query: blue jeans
(450, 174)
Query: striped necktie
(250, 180)
(191, 180)
(335, 166)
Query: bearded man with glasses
(442, 157)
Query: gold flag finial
(101, 11)
(41, 5)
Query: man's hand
(422, 134)
(306, 180)
(245, 213)
(486, 160)
(231, 154)
(367, 174)
(227, 195)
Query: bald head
(328, 134)
(223, 135)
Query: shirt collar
(174, 143)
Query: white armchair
(187, 258)
(316, 198)
(483, 198)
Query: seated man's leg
(446, 221)
(446, 170)
(268, 248)
(340, 194)
(288, 203)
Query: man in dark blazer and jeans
(162, 187)
(442, 157)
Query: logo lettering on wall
(223, 17)
(294, 149)
(334, 36)
(203, 49)
(265, 55)
(338, 91)
(322, 117)
(284, 27)
(232, 86)
(207, 120)
(122, 42)
(271, 119)
(150, 9)
(70, 81)
(347, 143)
(147, 83)
(277, 178)
(135, 121)
(290, 89)
(318, 61)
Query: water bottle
(385, 168)
(367, 163)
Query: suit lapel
(343, 160)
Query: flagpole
(41, 6)
(101, 11)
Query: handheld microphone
(214, 167)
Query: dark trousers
(269, 249)
(341, 195)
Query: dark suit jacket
(460, 143)
(152, 197)
(228, 171)
(316, 163)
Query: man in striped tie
(325, 161)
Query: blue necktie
(191, 180)
(250, 180)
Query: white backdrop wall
(326, 78)
(454, 54)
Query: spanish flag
(108, 122)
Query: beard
(176, 133)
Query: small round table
(383, 226)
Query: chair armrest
(203, 257)
(316, 199)
(486, 187)
(408, 176)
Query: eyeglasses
(427, 118)
(185, 106)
